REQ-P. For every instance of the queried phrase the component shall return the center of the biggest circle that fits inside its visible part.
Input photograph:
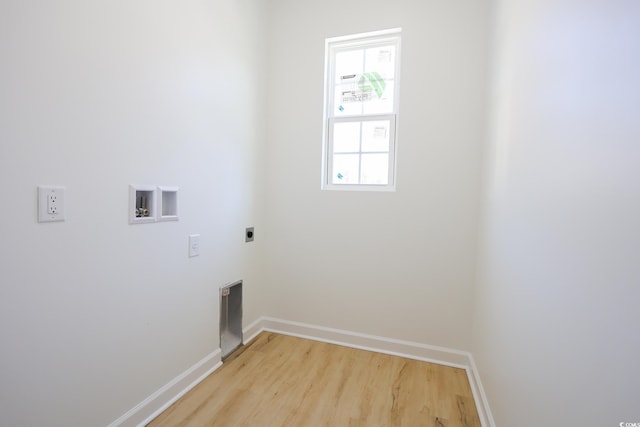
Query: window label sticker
(384, 56)
(380, 132)
(363, 87)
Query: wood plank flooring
(278, 380)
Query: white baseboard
(252, 331)
(412, 350)
(153, 405)
(156, 403)
(479, 395)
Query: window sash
(329, 173)
(392, 40)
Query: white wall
(96, 314)
(392, 264)
(556, 336)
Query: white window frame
(338, 44)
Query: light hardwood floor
(278, 380)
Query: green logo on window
(372, 82)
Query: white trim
(372, 34)
(360, 187)
(409, 349)
(412, 350)
(145, 411)
(482, 403)
(252, 331)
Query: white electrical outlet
(50, 203)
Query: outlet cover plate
(249, 234)
(194, 245)
(50, 203)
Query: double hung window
(361, 111)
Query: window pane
(348, 63)
(364, 94)
(347, 100)
(346, 137)
(375, 169)
(375, 135)
(345, 169)
(381, 104)
(349, 66)
(381, 59)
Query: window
(361, 111)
